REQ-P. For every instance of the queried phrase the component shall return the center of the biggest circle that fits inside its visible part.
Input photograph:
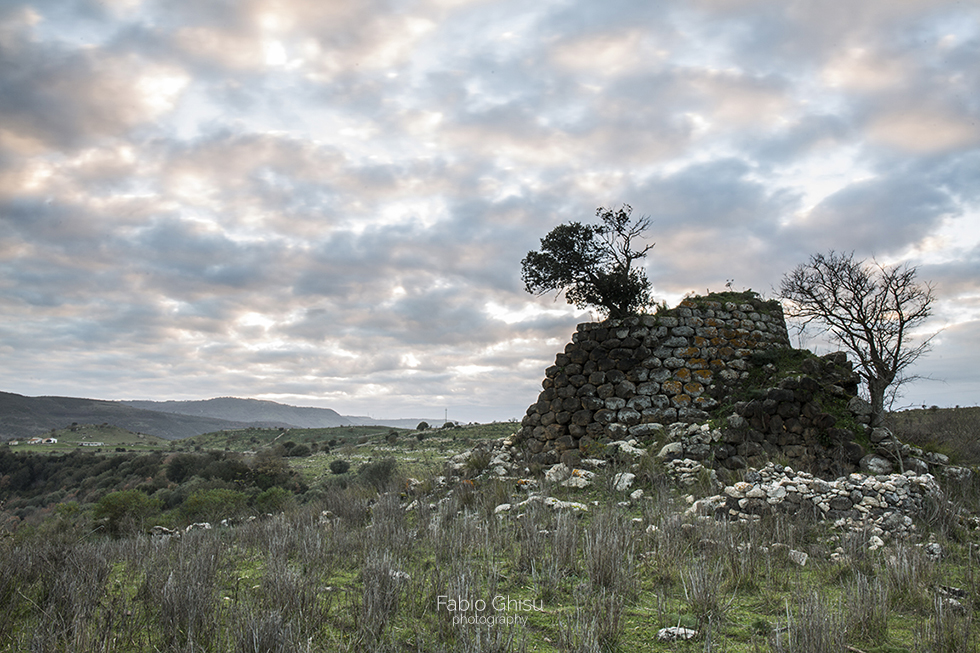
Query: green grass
(78, 436)
(291, 582)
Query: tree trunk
(876, 388)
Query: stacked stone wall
(620, 378)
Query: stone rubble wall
(623, 378)
(882, 504)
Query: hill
(257, 411)
(252, 411)
(25, 417)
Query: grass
(83, 435)
(376, 573)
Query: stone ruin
(709, 359)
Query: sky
(326, 202)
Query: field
(409, 550)
(87, 435)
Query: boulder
(875, 464)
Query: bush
(299, 451)
(423, 426)
(378, 475)
(339, 466)
(126, 511)
(213, 505)
(273, 500)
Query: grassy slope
(71, 438)
(603, 578)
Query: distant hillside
(24, 417)
(249, 410)
(271, 413)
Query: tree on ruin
(593, 263)
(870, 309)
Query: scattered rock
(623, 480)
(875, 464)
(674, 633)
(558, 473)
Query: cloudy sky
(326, 202)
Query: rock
(958, 473)
(558, 504)
(672, 449)
(756, 493)
(646, 430)
(936, 458)
(799, 557)
(399, 576)
(629, 447)
(934, 550)
(916, 465)
(579, 480)
(558, 473)
(674, 633)
(875, 464)
(623, 480)
(162, 534)
(571, 458)
(504, 507)
(879, 434)
(636, 495)
(859, 407)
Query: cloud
(882, 215)
(329, 202)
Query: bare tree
(869, 308)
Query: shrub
(269, 469)
(299, 451)
(273, 500)
(339, 466)
(126, 511)
(423, 426)
(378, 475)
(213, 505)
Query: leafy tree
(870, 309)
(593, 264)
(423, 426)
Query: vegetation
(367, 564)
(870, 309)
(593, 264)
(954, 432)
